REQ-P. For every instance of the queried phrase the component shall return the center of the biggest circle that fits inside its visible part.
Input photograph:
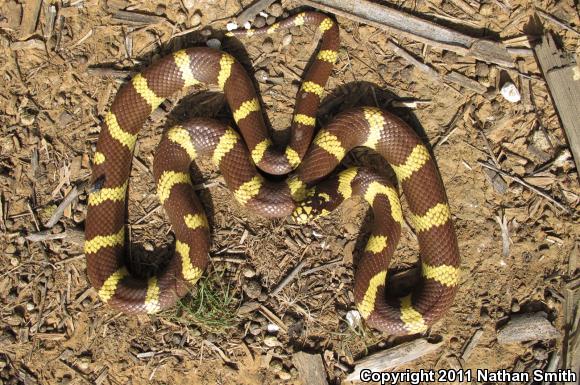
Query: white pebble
(247, 25)
(273, 328)
(264, 14)
(231, 26)
(353, 318)
(510, 92)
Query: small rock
(255, 330)
(189, 4)
(20, 241)
(287, 39)
(515, 306)
(284, 375)
(276, 10)
(231, 26)
(270, 20)
(271, 341)
(263, 297)
(195, 19)
(176, 339)
(268, 45)
(78, 217)
(160, 9)
(206, 32)
(214, 43)
(10, 249)
(30, 306)
(259, 21)
(148, 246)
(253, 289)
(83, 363)
(3, 363)
(510, 92)
(353, 318)
(181, 17)
(27, 118)
(272, 328)
(276, 365)
(249, 272)
(57, 228)
(262, 76)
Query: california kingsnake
(306, 162)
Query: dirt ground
(518, 247)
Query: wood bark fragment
(393, 357)
(563, 78)
(137, 17)
(310, 368)
(415, 28)
(251, 12)
(471, 345)
(527, 327)
(465, 82)
(29, 18)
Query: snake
(248, 159)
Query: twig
(526, 184)
(45, 235)
(289, 278)
(471, 345)
(249, 13)
(137, 18)
(411, 59)
(273, 317)
(328, 265)
(68, 199)
(551, 18)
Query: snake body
(305, 194)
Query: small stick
(250, 12)
(533, 188)
(59, 212)
(71, 259)
(154, 210)
(109, 72)
(471, 345)
(273, 317)
(45, 235)
(411, 59)
(138, 18)
(551, 18)
(289, 278)
(337, 262)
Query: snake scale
(306, 193)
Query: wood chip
(394, 357)
(310, 368)
(527, 327)
(563, 78)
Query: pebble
(3, 364)
(176, 339)
(57, 228)
(249, 272)
(10, 249)
(253, 289)
(270, 20)
(271, 341)
(284, 375)
(272, 328)
(27, 119)
(276, 365)
(287, 39)
(195, 19)
(30, 306)
(353, 318)
(515, 306)
(189, 4)
(206, 32)
(20, 241)
(214, 43)
(160, 9)
(510, 92)
(148, 246)
(83, 363)
(276, 10)
(255, 330)
(231, 26)
(259, 21)
(78, 217)
(262, 76)
(181, 17)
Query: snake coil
(305, 194)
